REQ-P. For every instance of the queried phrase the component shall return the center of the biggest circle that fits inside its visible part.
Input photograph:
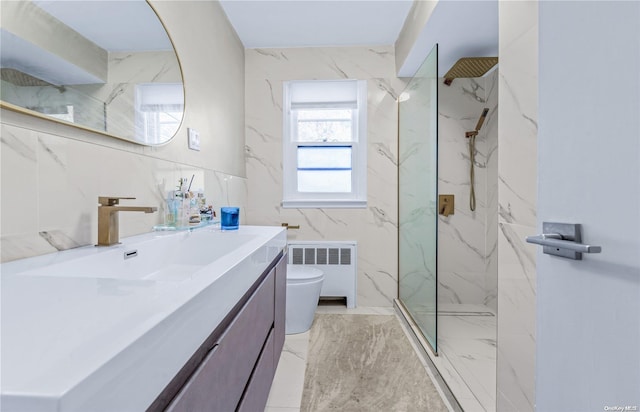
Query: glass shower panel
(418, 195)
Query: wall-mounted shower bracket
(562, 239)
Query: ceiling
(113, 25)
(315, 23)
(462, 28)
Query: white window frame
(357, 198)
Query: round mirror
(107, 66)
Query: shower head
(481, 120)
(21, 79)
(483, 116)
(470, 67)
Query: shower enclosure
(448, 263)
(418, 198)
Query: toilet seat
(297, 274)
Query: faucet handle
(111, 200)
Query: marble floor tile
(467, 354)
(475, 361)
(467, 343)
(288, 383)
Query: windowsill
(324, 204)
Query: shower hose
(472, 173)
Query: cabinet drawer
(257, 393)
(218, 383)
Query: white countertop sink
(88, 330)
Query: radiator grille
(345, 256)
(338, 262)
(334, 258)
(296, 256)
(309, 256)
(320, 256)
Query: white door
(588, 311)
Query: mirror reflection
(104, 65)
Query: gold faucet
(108, 228)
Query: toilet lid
(299, 272)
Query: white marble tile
(461, 244)
(516, 372)
(288, 384)
(467, 356)
(19, 205)
(71, 180)
(321, 63)
(375, 227)
(461, 287)
(491, 208)
(475, 360)
(518, 118)
(517, 291)
(516, 318)
(360, 310)
(517, 191)
(491, 279)
(467, 327)
(466, 242)
(67, 176)
(18, 246)
(456, 383)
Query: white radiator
(338, 261)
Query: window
(324, 144)
(158, 111)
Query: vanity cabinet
(280, 308)
(234, 368)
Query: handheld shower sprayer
(481, 120)
(472, 157)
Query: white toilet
(303, 291)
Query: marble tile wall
(52, 174)
(373, 227)
(467, 267)
(517, 181)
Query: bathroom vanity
(233, 369)
(163, 321)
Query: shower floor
(467, 354)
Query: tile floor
(467, 355)
(286, 391)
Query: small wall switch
(194, 139)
